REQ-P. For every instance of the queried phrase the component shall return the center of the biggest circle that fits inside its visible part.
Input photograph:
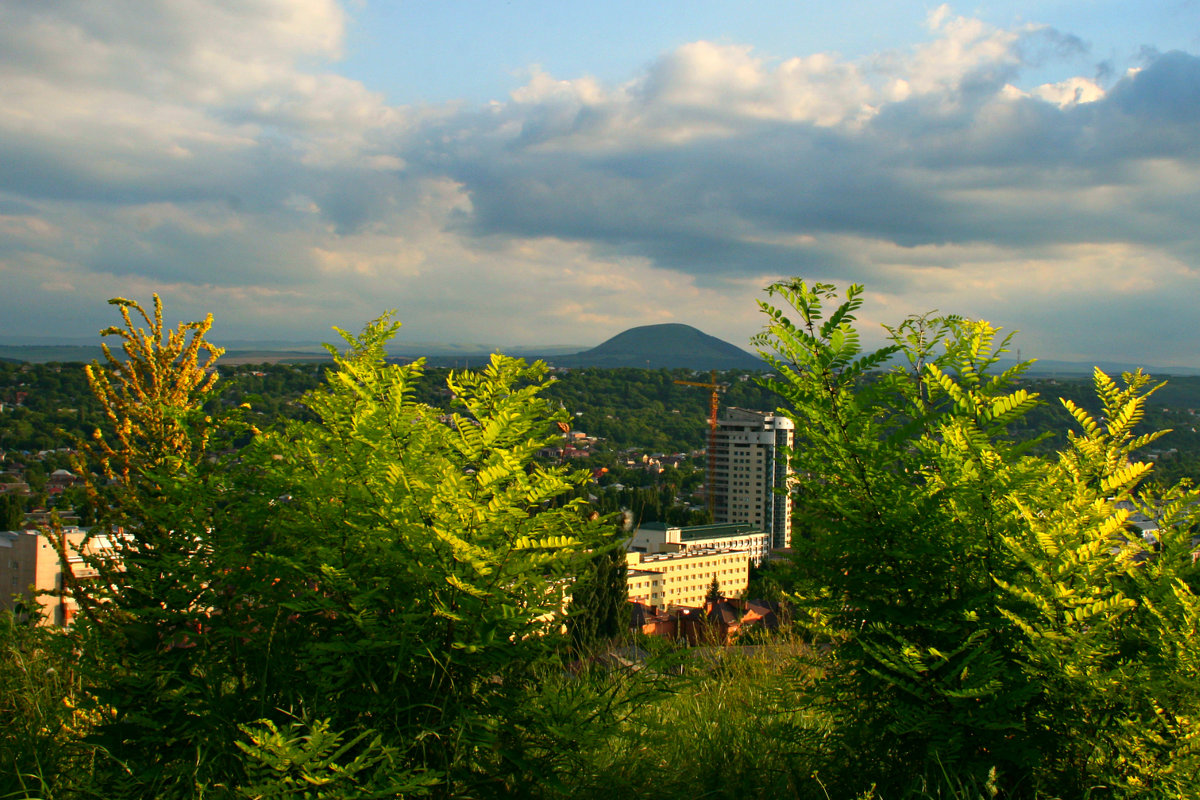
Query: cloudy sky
(537, 172)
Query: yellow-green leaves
(149, 396)
(984, 602)
(446, 505)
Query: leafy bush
(387, 567)
(991, 620)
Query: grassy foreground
(700, 723)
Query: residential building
(719, 622)
(30, 565)
(658, 537)
(750, 472)
(683, 578)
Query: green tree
(386, 572)
(444, 557)
(1108, 619)
(12, 512)
(968, 588)
(160, 632)
(714, 591)
(599, 603)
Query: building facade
(683, 578)
(658, 537)
(31, 572)
(751, 475)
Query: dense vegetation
(642, 409)
(994, 614)
(366, 600)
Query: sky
(525, 172)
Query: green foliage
(1108, 618)
(443, 558)
(312, 762)
(983, 604)
(12, 512)
(729, 728)
(370, 600)
(41, 751)
(167, 663)
(56, 406)
(385, 566)
(713, 595)
(599, 609)
(645, 408)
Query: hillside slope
(668, 345)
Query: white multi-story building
(652, 538)
(749, 465)
(683, 578)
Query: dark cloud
(172, 254)
(1166, 91)
(281, 193)
(975, 164)
(17, 207)
(1047, 45)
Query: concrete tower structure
(749, 464)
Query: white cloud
(1070, 92)
(211, 152)
(189, 51)
(964, 47)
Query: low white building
(657, 537)
(683, 578)
(674, 565)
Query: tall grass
(726, 723)
(692, 724)
(41, 727)
(726, 727)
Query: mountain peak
(670, 344)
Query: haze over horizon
(538, 173)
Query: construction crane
(713, 404)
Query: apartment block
(683, 578)
(30, 566)
(658, 537)
(749, 465)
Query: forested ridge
(632, 413)
(359, 587)
(630, 409)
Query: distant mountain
(668, 345)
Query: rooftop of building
(717, 530)
(682, 555)
(734, 415)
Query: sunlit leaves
(983, 604)
(146, 395)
